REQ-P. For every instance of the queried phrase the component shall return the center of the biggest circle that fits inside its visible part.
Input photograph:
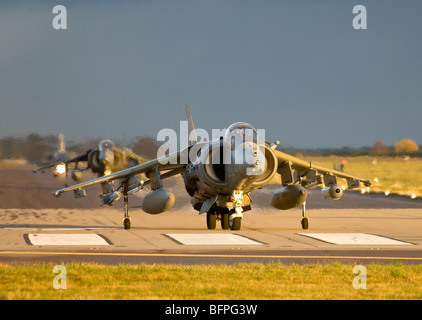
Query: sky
(297, 69)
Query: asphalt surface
(28, 210)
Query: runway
(358, 229)
(270, 237)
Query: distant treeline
(403, 147)
(36, 148)
(346, 151)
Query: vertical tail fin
(61, 147)
(191, 127)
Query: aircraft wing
(134, 158)
(305, 168)
(170, 162)
(81, 157)
(46, 166)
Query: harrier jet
(220, 176)
(102, 160)
(59, 158)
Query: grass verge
(397, 175)
(239, 281)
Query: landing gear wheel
(305, 223)
(211, 219)
(225, 221)
(235, 223)
(126, 223)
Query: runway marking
(354, 238)
(66, 239)
(211, 239)
(184, 255)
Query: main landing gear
(227, 217)
(229, 220)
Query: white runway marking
(211, 239)
(354, 238)
(66, 239)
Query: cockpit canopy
(106, 144)
(241, 132)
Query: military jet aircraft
(220, 175)
(59, 157)
(102, 160)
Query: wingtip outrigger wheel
(126, 223)
(304, 221)
(126, 219)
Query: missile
(109, 198)
(78, 193)
(334, 192)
